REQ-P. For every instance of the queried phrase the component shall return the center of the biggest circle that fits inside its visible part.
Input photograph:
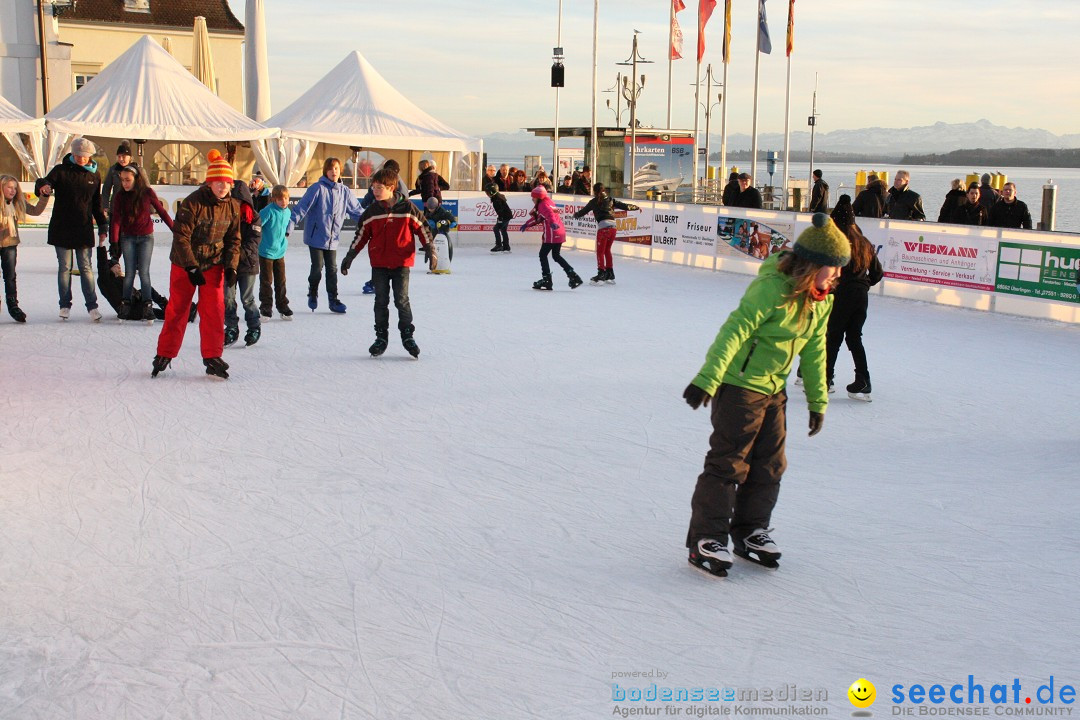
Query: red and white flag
(790, 27)
(676, 31)
(705, 8)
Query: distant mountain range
(940, 137)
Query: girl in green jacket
(783, 314)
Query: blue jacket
(327, 203)
(275, 221)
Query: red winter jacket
(390, 232)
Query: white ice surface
(494, 530)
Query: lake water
(932, 182)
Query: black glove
(195, 276)
(346, 263)
(696, 397)
(427, 254)
(817, 420)
(114, 250)
(230, 277)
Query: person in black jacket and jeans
(1010, 212)
(871, 201)
(77, 188)
(850, 302)
(819, 196)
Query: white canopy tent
(353, 105)
(146, 94)
(14, 121)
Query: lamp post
(617, 89)
(631, 91)
(812, 122)
(708, 117)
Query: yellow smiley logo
(862, 693)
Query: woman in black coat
(970, 211)
(77, 188)
(851, 301)
(952, 200)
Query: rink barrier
(1017, 272)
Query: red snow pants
(211, 313)
(605, 238)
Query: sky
(485, 67)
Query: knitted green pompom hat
(823, 243)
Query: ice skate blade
(700, 566)
(767, 560)
(861, 397)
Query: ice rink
(495, 531)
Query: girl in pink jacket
(545, 213)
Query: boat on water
(648, 176)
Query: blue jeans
(246, 284)
(86, 276)
(383, 279)
(137, 249)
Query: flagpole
(697, 113)
(724, 99)
(753, 142)
(592, 139)
(723, 130)
(787, 132)
(558, 50)
(670, 61)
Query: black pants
(272, 284)
(737, 490)
(8, 257)
(382, 279)
(502, 238)
(846, 322)
(556, 252)
(319, 258)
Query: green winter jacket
(757, 344)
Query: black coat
(1010, 215)
(969, 214)
(583, 186)
(731, 193)
(952, 200)
(819, 197)
(871, 201)
(988, 196)
(749, 198)
(77, 193)
(430, 184)
(904, 205)
(250, 233)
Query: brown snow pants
(737, 490)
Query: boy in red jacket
(389, 228)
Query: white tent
(353, 105)
(14, 121)
(147, 94)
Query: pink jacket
(548, 214)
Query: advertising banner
(1041, 271)
(965, 262)
(687, 230)
(743, 237)
(662, 163)
(632, 226)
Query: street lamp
(617, 89)
(708, 118)
(631, 91)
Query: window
(83, 78)
(140, 6)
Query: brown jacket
(9, 228)
(206, 231)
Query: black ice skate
(14, 310)
(410, 345)
(124, 313)
(574, 279)
(543, 283)
(160, 363)
(710, 555)
(231, 335)
(860, 389)
(610, 279)
(599, 278)
(758, 547)
(379, 346)
(252, 336)
(217, 367)
(147, 311)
